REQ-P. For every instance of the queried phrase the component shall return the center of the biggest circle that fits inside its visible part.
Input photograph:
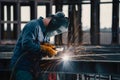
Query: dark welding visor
(58, 24)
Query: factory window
(5, 13)
(105, 16)
(22, 25)
(86, 17)
(105, 23)
(7, 24)
(106, 0)
(65, 10)
(11, 17)
(41, 11)
(25, 16)
(86, 1)
(11, 13)
(53, 9)
(86, 23)
(6, 17)
(25, 13)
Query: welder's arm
(28, 40)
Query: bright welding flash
(65, 58)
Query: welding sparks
(65, 58)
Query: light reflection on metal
(65, 57)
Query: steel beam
(95, 23)
(81, 67)
(18, 18)
(0, 20)
(33, 10)
(115, 22)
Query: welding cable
(13, 69)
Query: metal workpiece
(103, 60)
(86, 61)
(81, 66)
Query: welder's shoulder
(31, 25)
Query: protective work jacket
(27, 49)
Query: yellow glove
(47, 49)
(50, 45)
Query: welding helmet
(57, 25)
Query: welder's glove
(49, 50)
(50, 45)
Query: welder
(33, 44)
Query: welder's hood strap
(58, 24)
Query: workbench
(102, 60)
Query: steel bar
(103, 68)
(0, 19)
(115, 22)
(95, 22)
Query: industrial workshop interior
(88, 50)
